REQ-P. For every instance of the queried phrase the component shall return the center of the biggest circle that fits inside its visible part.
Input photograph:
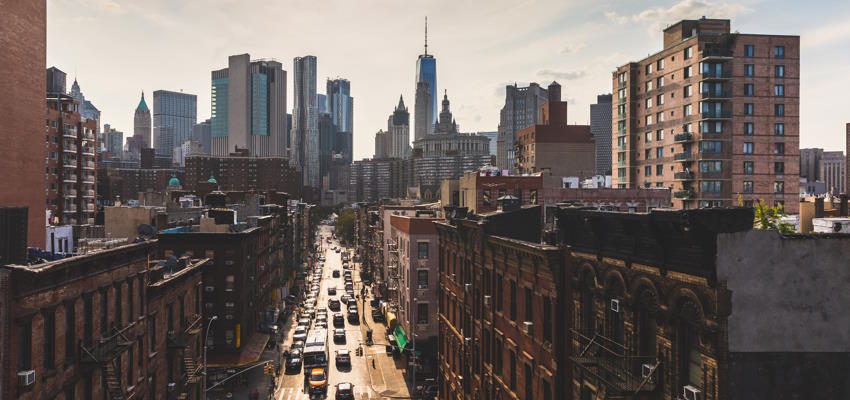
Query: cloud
(562, 75)
(657, 18)
(572, 48)
(824, 34)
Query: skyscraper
(305, 119)
(423, 118)
(340, 106)
(248, 107)
(174, 115)
(202, 134)
(398, 131)
(322, 103)
(426, 71)
(327, 139)
(521, 110)
(142, 125)
(600, 129)
(113, 141)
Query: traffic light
(268, 369)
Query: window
(659, 100)
(659, 82)
(532, 195)
(49, 339)
(70, 332)
(659, 135)
(689, 71)
(421, 313)
(748, 148)
(649, 102)
(748, 167)
(529, 305)
(513, 370)
(749, 70)
(151, 333)
(103, 313)
(748, 186)
(659, 117)
(779, 129)
(659, 152)
(647, 170)
(687, 91)
(423, 250)
(513, 300)
(130, 366)
(779, 110)
(422, 279)
(710, 146)
(687, 110)
(497, 360)
(646, 154)
(229, 283)
(529, 382)
(778, 187)
(659, 169)
(130, 300)
(779, 90)
(749, 50)
(648, 86)
(689, 52)
(779, 167)
(547, 319)
(649, 120)
(748, 89)
(748, 128)
(118, 305)
(779, 52)
(710, 166)
(660, 64)
(547, 391)
(710, 186)
(88, 321)
(779, 71)
(748, 108)
(648, 69)
(499, 298)
(648, 137)
(779, 148)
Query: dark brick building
(240, 173)
(75, 328)
(504, 307)
(129, 182)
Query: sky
(118, 48)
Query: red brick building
(76, 328)
(240, 173)
(23, 59)
(504, 309)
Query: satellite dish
(146, 231)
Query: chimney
(819, 207)
(842, 210)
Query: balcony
(88, 165)
(684, 194)
(683, 157)
(683, 176)
(603, 358)
(621, 116)
(714, 75)
(108, 348)
(88, 193)
(717, 53)
(70, 178)
(683, 137)
(70, 148)
(90, 207)
(714, 114)
(69, 134)
(716, 94)
(70, 208)
(88, 151)
(71, 193)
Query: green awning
(400, 337)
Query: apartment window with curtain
(748, 89)
(779, 71)
(422, 279)
(659, 169)
(748, 108)
(748, 148)
(779, 148)
(779, 90)
(647, 170)
(687, 91)
(779, 52)
(779, 110)
(779, 129)
(422, 250)
(688, 53)
(748, 187)
(659, 152)
(749, 50)
(748, 128)
(779, 187)
(748, 168)
(749, 70)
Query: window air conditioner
(615, 305)
(691, 393)
(26, 378)
(486, 301)
(528, 327)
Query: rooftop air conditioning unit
(691, 393)
(646, 372)
(26, 378)
(528, 327)
(615, 305)
(486, 301)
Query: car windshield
(317, 376)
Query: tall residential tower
(305, 122)
(521, 110)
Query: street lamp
(204, 386)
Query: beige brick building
(713, 116)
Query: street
(378, 380)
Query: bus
(316, 350)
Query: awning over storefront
(250, 353)
(400, 337)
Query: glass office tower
(426, 71)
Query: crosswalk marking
(360, 392)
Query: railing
(716, 114)
(710, 52)
(687, 156)
(107, 348)
(70, 178)
(716, 75)
(684, 176)
(716, 94)
(70, 148)
(608, 361)
(71, 193)
(622, 146)
(683, 194)
(683, 137)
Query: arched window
(588, 306)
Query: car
(332, 291)
(339, 335)
(333, 304)
(310, 312)
(347, 274)
(344, 298)
(318, 380)
(304, 321)
(343, 358)
(300, 333)
(353, 318)
(349, 286)
(296, 345)
(293, 361)
(337, 250)
(321, 324)
(336, 272)
(344, 391)
(339, 320)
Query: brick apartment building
(553, 147)
(129, 183)
(239, 172)
(76, 328)
(713, 115)
(70, 149)
(23, 59)
(504, 308)
(175, 324)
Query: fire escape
(606, 360)
(181, 343)
(392, 274)
(106, 354)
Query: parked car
(293, 361)
(318, 380)
(336, 272)
(333, 304)
(332, 291)
(339, 321)
(344, 391)
(343, 358)
(339, 335)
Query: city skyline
(578, 44)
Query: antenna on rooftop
(426, 35)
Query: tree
(770, 218)
(345, 225)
